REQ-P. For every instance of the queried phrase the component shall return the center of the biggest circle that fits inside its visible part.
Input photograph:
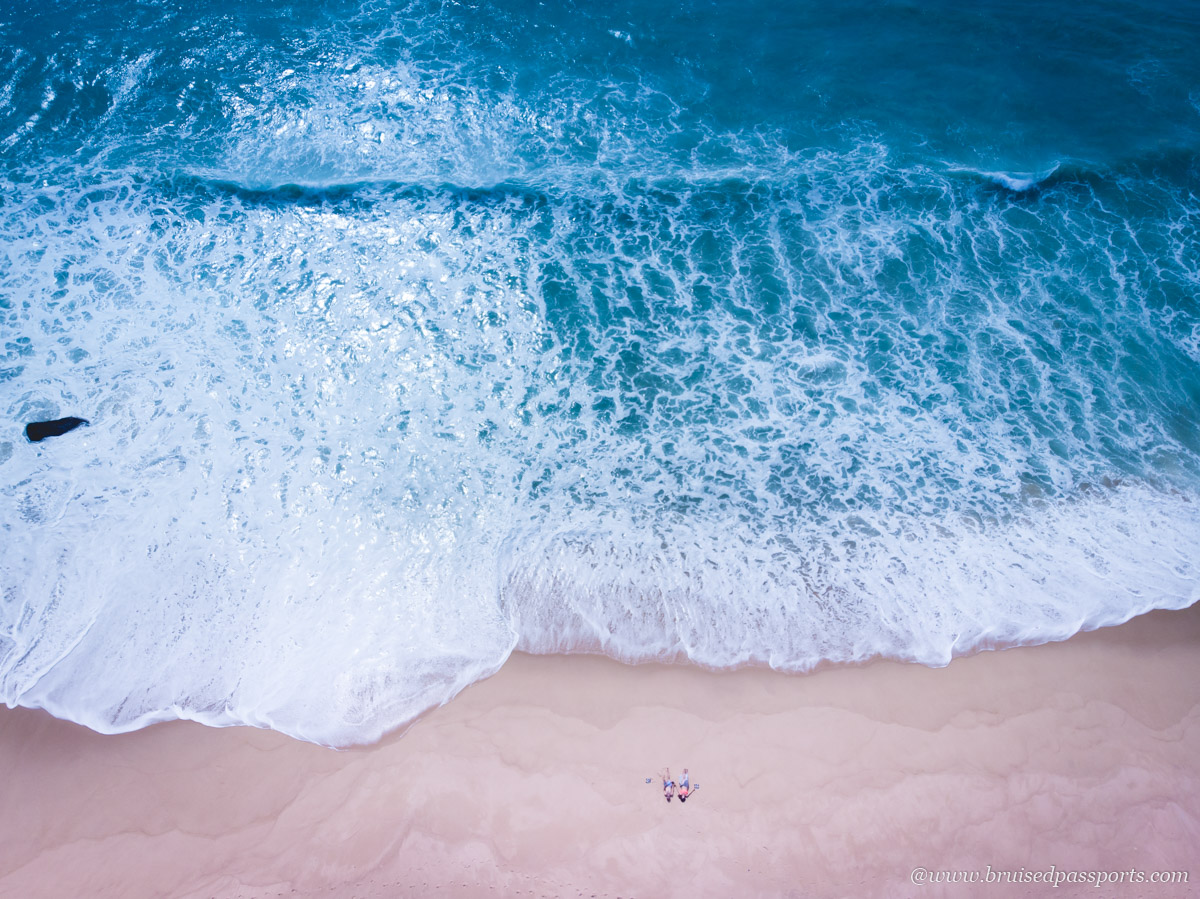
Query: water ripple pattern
(412, 335)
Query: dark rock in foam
(40, 430)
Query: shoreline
(1084, 755)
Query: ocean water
(413, 334)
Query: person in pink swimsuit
(685, 787)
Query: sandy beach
(1082, 756)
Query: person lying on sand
(668, 785)
(685, 787)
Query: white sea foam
(1014, 181)
(511, 372)
(322, 491)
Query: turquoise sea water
(733, 333)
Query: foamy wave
(1018, 182)
(919, 591)
(393, 367)
(348, 453)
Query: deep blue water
(738, 333)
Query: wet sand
(1083, 755)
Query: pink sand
(1083, 755)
